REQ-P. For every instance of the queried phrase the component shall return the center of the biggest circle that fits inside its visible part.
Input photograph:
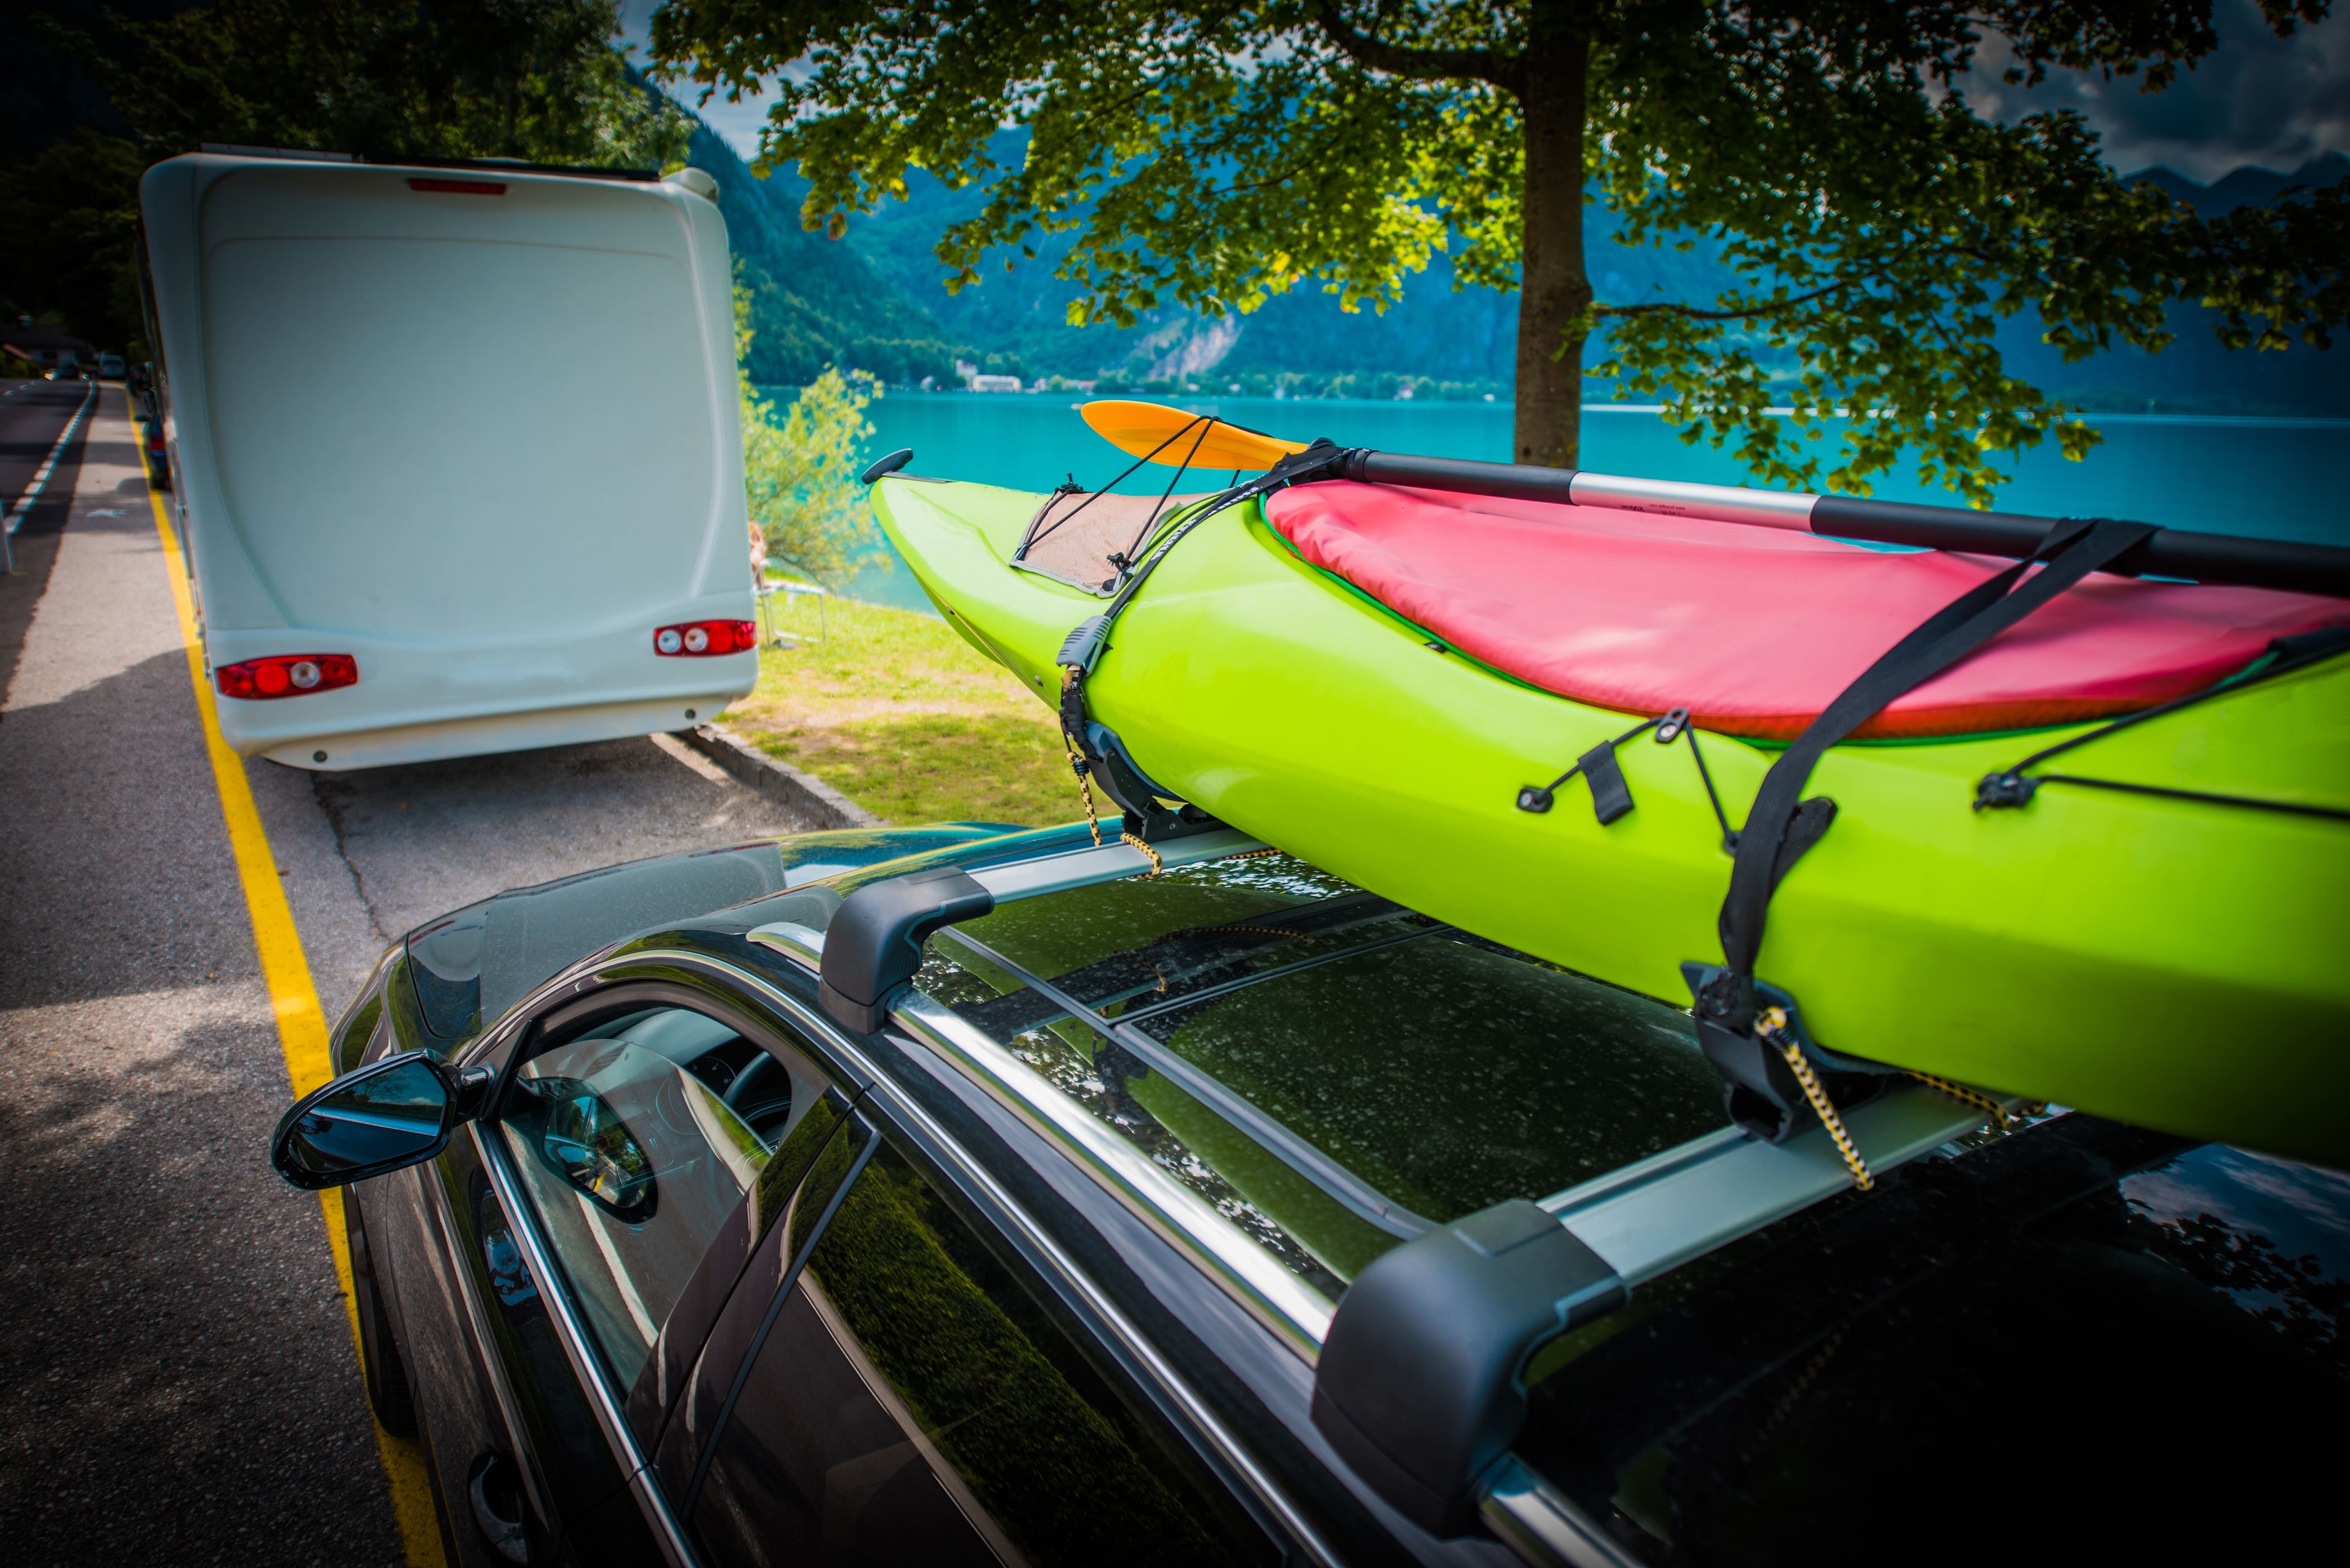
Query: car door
(512, 1434)
(908, 1398)
(593, 1225)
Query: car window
(912, 1403)
(636, 1142)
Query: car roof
(1296, 1075)
(1352, 1072)
(470, 965)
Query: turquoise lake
(2283, 479)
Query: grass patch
(902, 716)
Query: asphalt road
(31, 415)
(177, 1379)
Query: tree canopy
(1213, 153)
(799, 474)
(534, 79)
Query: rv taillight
(286, 675)
(460, 187)
(703, 639)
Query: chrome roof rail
(1542, 1525)
(1293, 1309)
(804, 945)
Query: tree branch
(1502, 71)
(1690, 313)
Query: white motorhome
(457, 454)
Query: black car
(966, 1195)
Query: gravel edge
(778, 781)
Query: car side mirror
(384, 1116)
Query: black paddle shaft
(2168, 553)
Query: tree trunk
(1553, 289)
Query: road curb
(779, 782)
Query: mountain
(2245, 187)
(812, 302)
(1462, 342)
(2196, 374)
(1015, 319)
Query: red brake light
(286, 675)
(705, 638)
(460, 187)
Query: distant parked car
(964, 1196)
(110, 365)
(159, 456)
(67, 371)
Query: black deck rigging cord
(2014, 787)
(1611, 796)
(1203, 423)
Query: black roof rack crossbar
(1421, 1383)
(1342, 1186)
(1652, 1216)
(1709, 1343)
(867, 960)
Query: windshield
(1337, 1073)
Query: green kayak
(2171, 963)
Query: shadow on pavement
(177, 1379)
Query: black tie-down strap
(1095, 753)
(1152, 812)
(1733, 1017)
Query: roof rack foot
(1420, 1385)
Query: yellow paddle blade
(1175, 438)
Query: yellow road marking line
(301, 1028)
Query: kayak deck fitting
(1356, 672)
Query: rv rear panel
(475, 429)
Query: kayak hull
(2170, 964)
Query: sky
(2256, 99)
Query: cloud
(2257, 98)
